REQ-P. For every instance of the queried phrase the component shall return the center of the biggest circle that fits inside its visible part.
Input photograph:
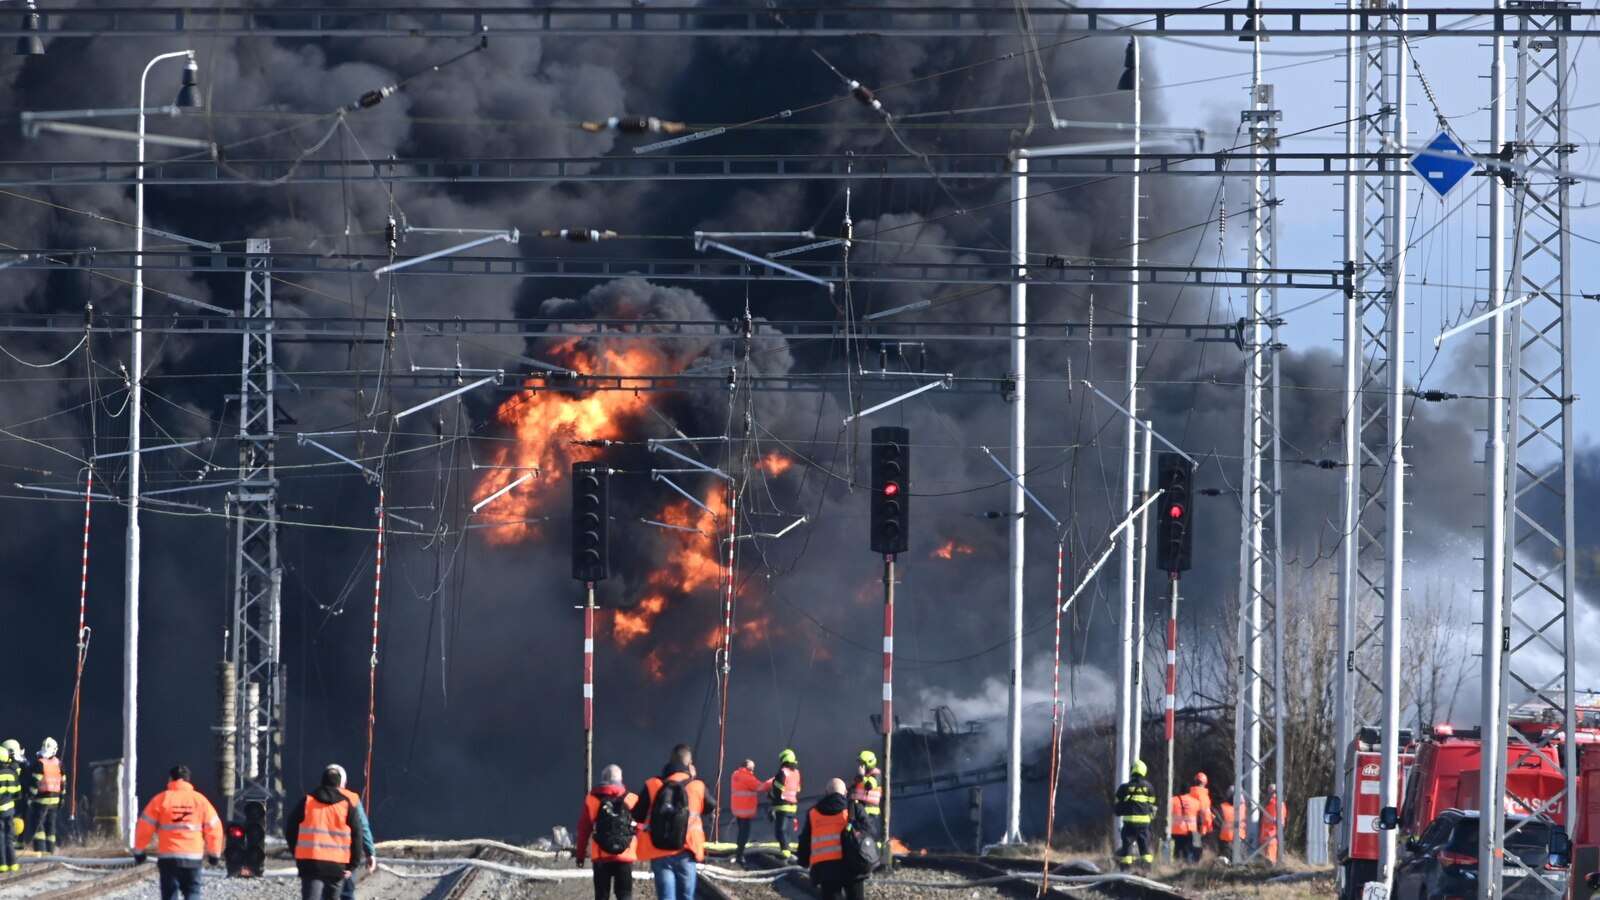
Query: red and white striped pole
(888, 701)
(588, 685)
(1056, 721)
(372, 663)
(83, 634)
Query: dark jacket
(1136, 802)
(833, 871)
(310, 868)
(641, 810)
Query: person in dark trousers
(1136, 804)
(187, 832)
(746, 800)
(676, 869)
(46, 785)
(821, 847)
(613, 872)
(783, 792)
(369, 848)
(10, 791)
(323, 832)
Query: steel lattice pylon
(257, 613)
(1538, 663)
(1258, 711)
(1375, 239)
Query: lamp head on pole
(1130, 63)
(30, 44)
(189, 96)
(1252, 30)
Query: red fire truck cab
(1356, 840)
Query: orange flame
(951, 549)
(774, 463)
(545, 423)
(628, 625)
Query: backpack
(862, 856)
(669, 816)
(613, 825)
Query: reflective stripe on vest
(791, 785)
(827, 836)
(746, 794)
(869, 797)
(324, 834)
(50, 776)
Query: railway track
(95, 887)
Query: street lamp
(29, 44)
(127, 801)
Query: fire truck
(1440, 771)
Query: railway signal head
(1174, 513)
(891, 489)
(590, 519)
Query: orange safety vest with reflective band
(695, 842)
(50, 776)
(1226, 834)
(324, 834)
(1184, 815)
(827, 836)
(183, 822)
(788, 788)
(591, 805)
(746, 794)
(868, 792)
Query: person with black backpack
(607, 834)
(839, 846)
(674, 837)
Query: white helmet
(48, 748)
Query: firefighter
(323, 832)
(1227, 826)
(10, 790)
(17, 834)
(369, 848)
(1271, 823)
(868, 789)
(783, 791)
(821, 847)
(1136, 805)
(1183, 824)
(606, 822)
(675, 868)
(746, 799)
(187, 832)
(46, 784)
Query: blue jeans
(675, 876)
(176, 879)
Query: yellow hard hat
(868, 758)
(787, 756)
(1140, 769)
(5, 755)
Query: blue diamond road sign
(1442, 164)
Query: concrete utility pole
(1142, 579)
(1394, 493)
(1127, 703)
(1018, 506)
(1494, 465)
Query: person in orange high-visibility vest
(324, 834)
(675, 868)
(821, 847)
(46, 786)
(1183, 823)
(867, 789)
(187, 832)
(746, 800)
(609, 805)
(1227, 826)
(1272, 822)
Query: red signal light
(1175, 512)
(891, 489)
(235, 831)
